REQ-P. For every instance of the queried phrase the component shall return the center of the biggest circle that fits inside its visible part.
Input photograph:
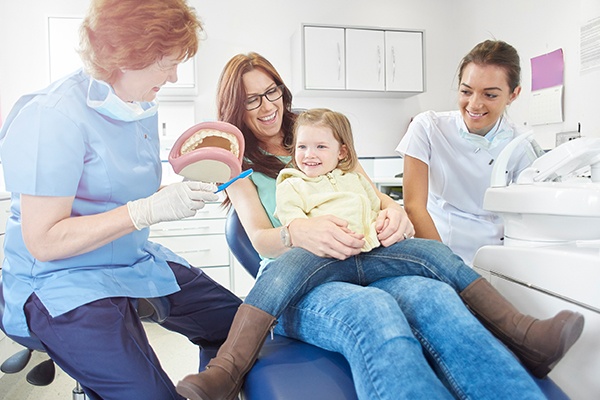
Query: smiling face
(144, 84)
(484, 93)
(317, 152)
(264, 121)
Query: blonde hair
(134, 34)
(339, 125)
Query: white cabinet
(365, 63)
(324, 55)
(404, 61)
(201, 241)
(390, 186)
(348, 59)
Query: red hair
(134, 34)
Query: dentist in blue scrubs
(81, 160)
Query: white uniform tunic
(460, 168)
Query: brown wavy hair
(231, 100)
(134, 34)
(498, 53)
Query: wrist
(286, 237)
(136, 214)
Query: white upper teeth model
(211, 138)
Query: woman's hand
(174, 202)
(393, 225)
(326, 236)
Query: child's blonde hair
(339, 125)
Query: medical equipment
(550, 259)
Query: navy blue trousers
(104, 347)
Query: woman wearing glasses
(368, 325)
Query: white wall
(267, 26)
(537, 27)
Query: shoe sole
(570, 333)
(190, 391)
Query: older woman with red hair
(81, 159)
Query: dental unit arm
(564, 162)
(556, 165)
(552, 201)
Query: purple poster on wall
(547, 70)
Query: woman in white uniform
(449, 156)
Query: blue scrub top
(53, 144)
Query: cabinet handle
(191, 228)
(339, 51)
(379, 63)
(192, 251)
(393, 64)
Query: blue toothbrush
(225, 185)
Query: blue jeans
(285, 280)
(369, 326)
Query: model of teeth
(211, 138)
(208, 152)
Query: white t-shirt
(460, 168)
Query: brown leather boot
(225, 373)
(539, 344)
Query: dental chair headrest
(208, 152)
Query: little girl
(325, 184)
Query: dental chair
(151, 309)
(288, 369)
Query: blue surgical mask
(102, 98)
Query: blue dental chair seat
(288, 369)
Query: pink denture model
(208, 152)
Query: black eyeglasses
(253, 102)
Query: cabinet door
(404, 61)
(324, 56)
(365, 68)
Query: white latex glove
(173, 202)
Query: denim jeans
(367, 325)
(285, 280)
